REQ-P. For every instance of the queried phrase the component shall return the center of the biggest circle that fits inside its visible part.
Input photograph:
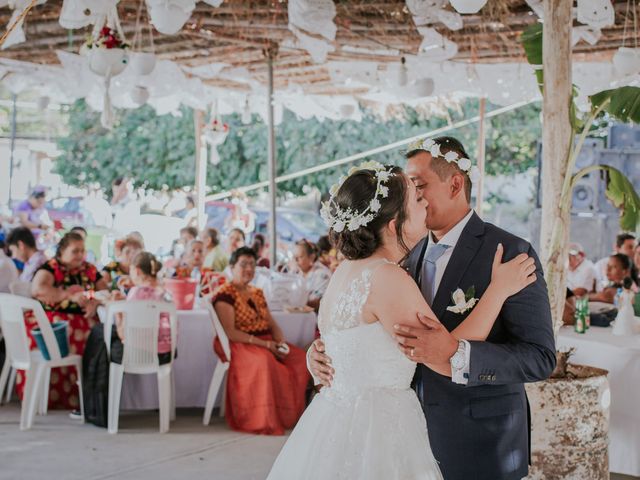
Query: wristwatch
(459, 359)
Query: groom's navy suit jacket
(481, 430)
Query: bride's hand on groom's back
(320, 364)
(510, 277)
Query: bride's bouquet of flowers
(215, 133)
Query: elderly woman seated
(65, 286)
(116, 273)
(268, 377)
(316, 276)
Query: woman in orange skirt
(267, 376)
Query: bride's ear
(392, 226)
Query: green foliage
(531, 40)
(621, 193)
(159, 151)
(622, 103)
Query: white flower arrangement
(464, 164)
(337, 218)
(463, 301)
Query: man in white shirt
(582, 273)
(625, 244)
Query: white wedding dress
(369, 424)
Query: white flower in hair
(435, 150)
(338, 218)
(451, 156)
(474, 174)
(464, 164)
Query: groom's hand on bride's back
(320, 364)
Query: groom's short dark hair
(444, 169)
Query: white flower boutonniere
(463, 301)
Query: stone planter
(570, 426)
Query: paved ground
(63, 449)
(60, 448)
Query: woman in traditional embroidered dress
(267, 377)
(65, 285)
(116, 273)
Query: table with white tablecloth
(620, 355)
(196, 360)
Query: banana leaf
(622, 195)
(624, 103)
(531, 40)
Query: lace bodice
(363, 354)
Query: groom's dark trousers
(481, 431)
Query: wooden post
(481, 155)
(271, 54)
(201, 168)
(556, 145)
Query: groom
(478, 419)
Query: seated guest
(266, 384)
(636, 263)
(215, 258)
(235, 240)
(32, 212)
(22, 244)
(624, 244)
(326, 253)
(316, 275)
(193, 258)
(65, 286)
(8, 271)
(581, 276)
(618, 268)
(116, 273)
(144, 275)
(260, 247)
(91, 258)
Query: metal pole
(481, 155)
(271, 53)
(201, 170)
(14, 99)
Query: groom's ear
(457, 184)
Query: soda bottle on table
(586, 312)
(579, 325)
(197, 276)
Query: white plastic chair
(140, 355)
(219, 374)
(20, 288)
(19, 357)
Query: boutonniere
(463, 301)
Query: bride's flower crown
(337, 218)
(464, 164)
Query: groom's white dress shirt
(451, 239)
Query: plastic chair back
(20, 288)
(141, 325)
(218, 331)
(12, 308)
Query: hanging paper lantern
(139, 95)
(169, 16)
(107, 61)
(627, 61)
(142, 63)
(468, 6)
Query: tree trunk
(556, 140)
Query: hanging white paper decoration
(427, 12)
(627, 61)
(142, 63)
(596, 13)
(139, 95)
(169, 16)
(17, 36)
(311, 21)
(77, 14)
(468, 6)
(435, 47)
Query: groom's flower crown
(464, 164)
(337, 218)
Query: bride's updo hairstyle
(355, 194)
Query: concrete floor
(60, 448)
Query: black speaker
(623, 135)
(585, 195)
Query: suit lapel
(464, 251)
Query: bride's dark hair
(355, 193)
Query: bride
(369, 423)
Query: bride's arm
(506, 279)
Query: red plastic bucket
(183, 292)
